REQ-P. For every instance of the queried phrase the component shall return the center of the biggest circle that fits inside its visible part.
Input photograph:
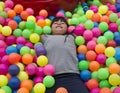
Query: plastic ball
(81, 57)
(19, 46)
(25, 50)
(113, 27)
(95, 90)
(43, 13)
(7, 89)
(88, 35)
(105, 90)
(103, 26)
(74, 21)
(38, 79)
(2, 91)
(23, 75)
(11, 49)
(41, 23)
(101, 58)
(32, 18)
(27, 59)
(79, 40)
(4, 60)
(78, 30)
(26, 33)
(114, 68)
(102, 40)
(109, 35)
(113, 17)
(114, 79)
(2, 20)
(68, 14)
(94, 8)
(104, 83)
(34, 38)
(10, 40)
(2, 52)
(17, 32)
(6, 31)
(14, 58)
(21, 40)
(23, 90)
(13, 70)
(89, 14)
(61, 90)
(87, 24)
(38, 30)
(21, 25)
(96, 17)
(96, 32)
(82, 49)
(116, 90)
(42, 60)
(39, 88)
(9, 3)
(30, 45)
(17, 19)
(30, 11)
(3, 80)
(111, 43)
(40, 72)
(49, 69)
(24, 15)
(83, 65)
(91, 55)
(3, 69)
(94, 66)
(85, 75)
(99, 48)
(110, 60)
(110, 51)
(11, 13)
(30, 24)
(47, 30)
(103, 9)
(60, 14)
(104, 18)
(2, 44)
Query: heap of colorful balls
(24, 67)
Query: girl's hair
(61, 19)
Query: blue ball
(51, 17)
(84, 4)
(81, 57)
(19, 46)
(116, 34)
(118, 7)
(117, 40)
(11, 49)
(96, 24)
(13, 70)
(85, 75)
(117, 54)
(14, 83)
(17, 19)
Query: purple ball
(2, 20)
(96, 32)
(95, 90)
(79, 30)
(10, 40)
(38, 80)
(94, 8)
(3, 69)
(113, 27)
(4, 60)
(21, 40)
(40, 72)
(40, 49)
(101, 58)
(116, 90)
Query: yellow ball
(114, 79)
(33, 53)
(1, 8)
(21, 66)
(42, 60)
(39, 88)
(2, 4)
(89, 14)
(69, 21)
(0, 28)
(23, 76)
(110, 51)
(3, 80)
(48, 22)
(6, 31)
(31, 18)
(2, 91)
(103, 9)
(34, 38)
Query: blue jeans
(70, 81)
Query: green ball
(26, 33)
(7, 89)
(75, 16)
(82, 19)
(80, 12)
(96, 2)
(3, 14)
(22, 25)
(79, 40)
(103, 26)
(109, 35)
(30, 24)
(49, 81)
(47, 30)
(119, 28)
(94, 76)
(17, 32)
(110, 60)
(74, 21)
(102, 40)
(103, 73)
(113, 17)
(89, 24)
(83, 65)
(104, 83)
(118, 22)
(68, 14)
(38, 30)
(25, 50)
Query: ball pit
(97, 30)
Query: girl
(61, 52)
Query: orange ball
(114, 68)
(94, 66)
(24, 15)
(8, 76)
(111, 43)
(23, 90)
(43, 12)
(13, 24)
(99, 48)
(11, 13)
(96, 17)
(104, 19)
(61, 90)
(92, 83)
(27, 58)
(27, 84)
(82, 49)
(41, 22)
(14, 58)
(109, 12)
(18, 8)
(105, 90)
(91, 55)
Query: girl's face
(59, 27)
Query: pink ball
(2, 20)
(49, 69)
(91, 45)
(30, 45)
(2, 44)
(101, 58)
(7, 9)
(116, 90)
(35, 59)
(113, 8)
(95, 90)
(60, 14)
(31, 69)
(70, 29)
(10, 40)
(2, 37)
(118, 14)
(38, 80)
(30, 11)
(5, 61)
(96, 32)
(9, 3)
(79, 30)
(113, 27)
(7, 21)
(94, 8)
(3, 69)
(88, 35)
(21, 40)
(40, 72)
